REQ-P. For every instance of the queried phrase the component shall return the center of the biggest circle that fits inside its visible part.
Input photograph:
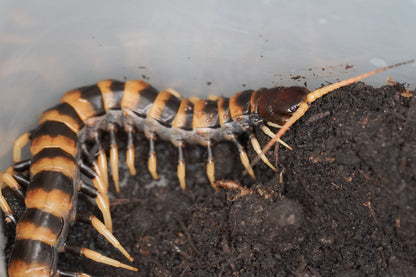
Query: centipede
(67, 156)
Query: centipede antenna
(316, 94)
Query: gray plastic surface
(197, 47)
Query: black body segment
(44, 220)
(116, 89)
(224, 115)
(53, 129)
(93, 95)
(206, 114)
(49, 180)
(138, 97)
(33, 258)
(67, 110)
(165, 108)
(184, 116)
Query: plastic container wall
(197, 47)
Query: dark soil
(346, 206)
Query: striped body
(60, 155)
(165, 113)
(51, 197)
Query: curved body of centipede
(61, 153)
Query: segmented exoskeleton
(60, 155)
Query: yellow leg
(274, 125)
(152, 163)
(243, 157)
(130, 160)
(103, 230)
(268, 132)
(114, 158)
(95, 256)
(18, 145)
(257, 148)
(130, 152)
(9, 180)
(181, 167)
(211, 167)
(104, 206)
(114, 166)
(8, 213)
(102, 160)
(102, 200)
(102, 165)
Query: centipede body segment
(66, 150)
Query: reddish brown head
(278, 104)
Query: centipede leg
(18, 145)
(101, 159)
(12, 183)
(269, 133)
(103, 230)
(22, 165)
(18, 169)
(152, 163)
(130, 151)
(256, 146)
(243, 157)
(95, 256)
(21, 179)
(114, 157)
(101, 195)
(181, 166)
(8, 213)
(103, 202)
(211, 166)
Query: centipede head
(277, 104)
(293, 107)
